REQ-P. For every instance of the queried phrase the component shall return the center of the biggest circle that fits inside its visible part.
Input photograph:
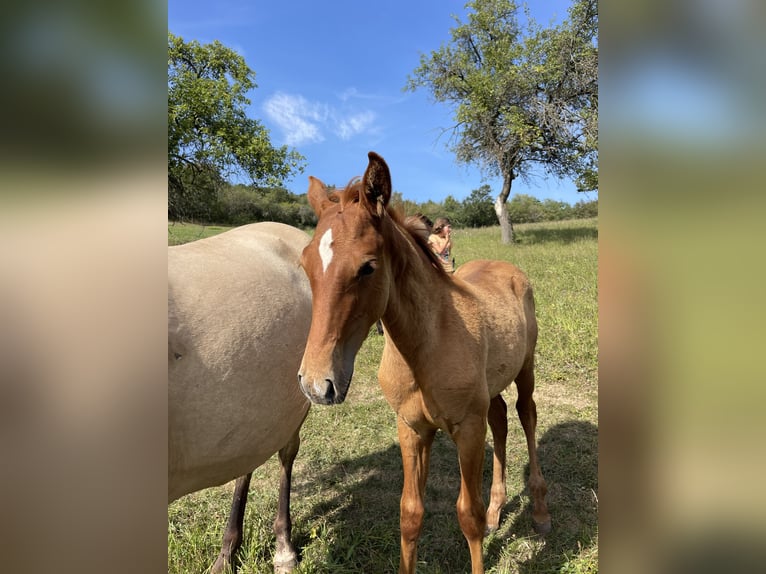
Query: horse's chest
(423, 400)
(420, 409)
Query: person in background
(441, 243)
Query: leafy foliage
(527, 209)
(522, 98)
(477, 208)
(240, 204)
(210, 136)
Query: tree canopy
(210, 136)
(523, 97)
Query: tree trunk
(501, 210)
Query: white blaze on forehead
(325, 249)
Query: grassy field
(179, 233)
(347, 478)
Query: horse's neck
(419, 296)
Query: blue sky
(330, 78)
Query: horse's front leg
(416, 452)
(286, 557)
(469, 438)
(232, 536)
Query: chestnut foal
(477, 326)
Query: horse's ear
(376, 184)
(317, 195)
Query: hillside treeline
(240, 204)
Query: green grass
(347, 478)
(179, 233)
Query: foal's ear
(376, 184)
(317, 195)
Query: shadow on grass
(360, 522)
(568, 454)
(556, 235)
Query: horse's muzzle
(321, 392)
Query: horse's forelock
(351, 193)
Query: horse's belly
(239, 311)
(211, 450)
(501, 372)
(228, 413)
(508, 348)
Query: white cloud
(350, 126)
(353, 93)
(305, 122)
(298, 118)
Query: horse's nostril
(330, 392)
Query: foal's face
(349, 276)
(346, 272)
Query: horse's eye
(367, 269)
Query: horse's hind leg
(285, 558)
(498, 422)
(232, 536)
(527, 410)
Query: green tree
(210, 136)
(556, 210)
(477, 208)
(585, 209)
(407, 206)
(453, 210)
(522, 98)
(525, 209)
(573, 51)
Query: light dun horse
(452, 345)
(239, 310)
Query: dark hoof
(542, 528)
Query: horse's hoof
(285, 564)
(542, 528)
(222, 564)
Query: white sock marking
(325, 249)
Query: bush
(479, 208)
(525, 209)
(239, 204)
(585, 209)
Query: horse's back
(272, 246)
(239, 310)
(508, 310)
(246, 280)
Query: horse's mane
(412, 227)
(418, 233)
